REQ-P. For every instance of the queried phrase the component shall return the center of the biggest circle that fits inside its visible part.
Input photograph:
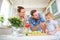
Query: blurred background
(8, 8)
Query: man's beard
(35, 19)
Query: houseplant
(16, 24)
(1, 20)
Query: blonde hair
(49, 14)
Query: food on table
(27, 25)
(36, 33)
(15, 21)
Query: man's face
(22, 13)
(35, 15)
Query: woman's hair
(19, 8)
(49, 14)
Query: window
(48, 10)
(54, 7)
(59, 23)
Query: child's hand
(51, 33)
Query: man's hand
(43, 26)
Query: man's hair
(32, 12)
(19, 8)
(49, 14)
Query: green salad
(15, 21)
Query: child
(52, 25)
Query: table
(10, 37)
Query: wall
(58, 4)
(29, 5)
(5, 11)
(0, 3)
(58, 14)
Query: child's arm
(56, 27)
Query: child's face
(48, 18)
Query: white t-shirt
(51, 25)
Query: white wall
(0, 3)
(58, 4)
(58, 13)
(5, 11)
(29, 5)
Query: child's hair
(49, 14)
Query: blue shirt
(34, 23)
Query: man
(37, 21)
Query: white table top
(10, 37)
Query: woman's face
(22, 13)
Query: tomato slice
(27, 25)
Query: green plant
(16, 22)
(1, 19)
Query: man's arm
(35, 28)
(42, 25)
(42, 19)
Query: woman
(21, 14)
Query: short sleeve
(55, 22)
(31, 25)
(41, 18)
